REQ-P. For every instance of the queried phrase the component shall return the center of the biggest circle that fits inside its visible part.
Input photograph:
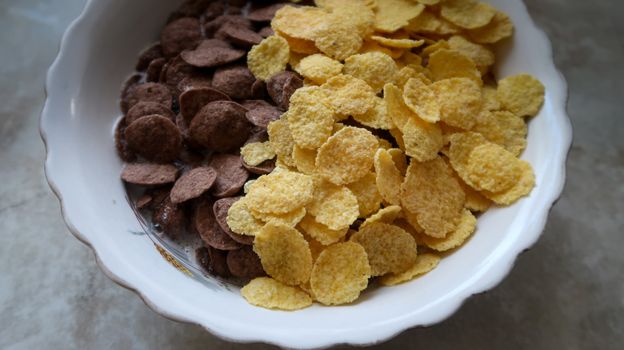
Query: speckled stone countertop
(567, 292)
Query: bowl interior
(83, 88)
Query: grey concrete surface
(565, 293)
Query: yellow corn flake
(421, 99)
(397, 110)
(424, 263)
(308, 82)
(410, 226)
(280, 165)
(492, 168)
(521, 94)
(431, 192)
(257, 152)
(444, 64)
(269, 57)
(422, 140)
(519, 189)
(394, 52)
(333, 206)
(348, 95)
(488, 95)
(241, 221)
(290, 219)
(389, 248)
(280, 192)
(499, 28)
(392, 15)
(403, 75)
(304, 159)
(415, 229)
(337, 39)
(376, 117)
(347, 156)
(375, 68)
(460, 101)
(409, 72)
(310, 120)
(271, 294)
(363, 22)
(246, 185)
(398, 137)
(337, 4)
(338, 127)
(465, 227)
(320, 232)
(447, 131)
(294, 60)
(438, 45)
(411, 59)
(281, 140)
(368, 197)
(316, 248)
(297, 45)
(399, 159)
(479, 54)
(298, 22)
(468, 14)
(428, 22)
(475, 201)
(429, 2)
(284, 253)
(373, 46)
(461, 145)
(383, 143)
(340, 273)
(503, 128)
(318, 68)
(386, 215)
(397, 43)
(388, 177)
(305, 287)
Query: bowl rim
(531, 235)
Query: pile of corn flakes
(398, 138)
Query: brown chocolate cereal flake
(231, 174)
(154, 69)
(144, 108)
(238, 35)
(245, 263)
(265, 14)
(220, 126)
(170, 217)
(266, 32)
(235, 81)
(281, 86)
(148, 55)
(155, 138)
(260, 112)
(193, 100)
(193, 184)
(208, 55)
(149, 174)
(208, 228)
(213, 260)
(179, 35)
(132, 81)
(149, 92)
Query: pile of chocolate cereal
(187, 111)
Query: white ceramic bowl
(98, 52)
